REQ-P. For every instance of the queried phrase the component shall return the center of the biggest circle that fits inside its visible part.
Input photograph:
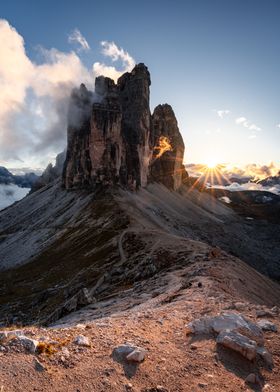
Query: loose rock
(251, 379)
(137, 355)
(82, 340)
(267, 325)
(266, 356)
(29, 344)
(239, 343)
(38, 366)
(226, 322)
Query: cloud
(11, 193)
(222, 113)
(278, 125)
(247, 124)
(111, 50)
(251, 186)
(77, 37)
(34, 97)
(240, 120)
(254, 127)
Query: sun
(211, 163)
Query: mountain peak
(115, 139)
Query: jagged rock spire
(113, 139)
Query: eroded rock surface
(114, 139)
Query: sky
(216, 62)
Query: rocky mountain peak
(114, 139)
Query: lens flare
(211, 163)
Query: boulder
(29, 344)
(239, 343)
(129, 352)
(267, 325)
(226, 322)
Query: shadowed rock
(113, 139)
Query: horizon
(217, 66)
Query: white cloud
(222, 113)
(77, 37)
(247, 124)
(34, 97)
(11, 193)
(278, 125)
(253, 136)
(111, 50)
(240, 120)
(254, 127)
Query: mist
(10, 194)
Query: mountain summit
(114, 139)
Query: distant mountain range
(24, 181)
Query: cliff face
(114, 139)
(168, 153)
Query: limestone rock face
(113, 139)
(166, 165)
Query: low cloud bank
(251, 171)
(250, 186)
(11, 193)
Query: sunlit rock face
(112, 137)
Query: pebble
(137, 355)
(38, 366)
(251, 379)
(267, 325)
(82, 340)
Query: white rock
(137, 355)
(5, 336)
(29, 344)
(66, 352)
(82, 340)
(237, 342)
(267, 325)
(226, 322)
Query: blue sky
(216, 62)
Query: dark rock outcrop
(114, 139)
(168, 153)
(51, 173)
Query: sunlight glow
(211, 163)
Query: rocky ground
(137, 269)
(174, 361)
(78, 353)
